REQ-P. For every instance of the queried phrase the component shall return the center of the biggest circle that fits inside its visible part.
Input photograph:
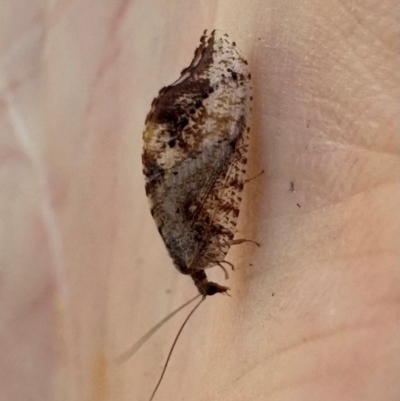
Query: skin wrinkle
(349, 146)
(317, 338)
(301, 382)
(350, 256)
(13, 81)
(364, 26)
(15, 85)
(105, 66)
(318, 210)
(317, 262)
(345, 43)
(30, 35)
(332, 105)
(58, 11)
(374, 73)
(118, 19)
(48, 211)
(25, 46)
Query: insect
(194, 162)
(194, 158)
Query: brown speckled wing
(223, 206)
(194, 155)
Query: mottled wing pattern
(223, 206)
(194, 155)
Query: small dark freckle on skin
(233, 43)
(249, 76)
(234, 75)
(175, 173)
(251, 97)
(298, 205)
(177, 210)
(198, 104)
(273, 294)
(192, 111)
(171, 143)
(291, 186)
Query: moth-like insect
(195, 155)
(194, 162)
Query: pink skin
(314, 312)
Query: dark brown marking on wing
(222, 208)
(194, 177)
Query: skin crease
(314, 312)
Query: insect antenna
(138, 344)
(173, 346)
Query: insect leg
(253, 178)
(225, 271)
(228, 263)
(242, 240)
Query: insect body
(195, 155)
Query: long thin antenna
(173, 346)
(135, 347)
